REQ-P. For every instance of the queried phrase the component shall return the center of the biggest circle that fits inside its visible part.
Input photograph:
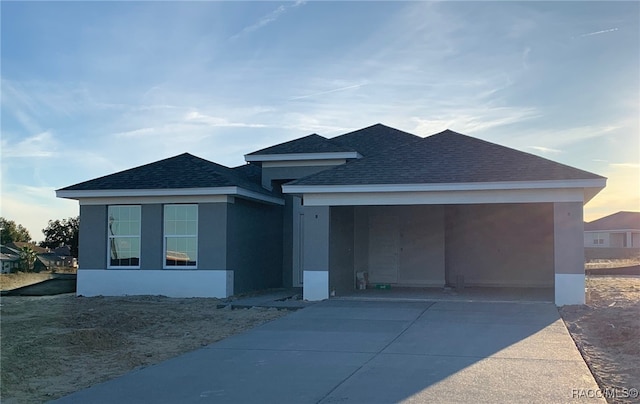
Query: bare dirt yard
(607, 332)
(54, 345)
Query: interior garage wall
(254, 249)
(500, 244)
(420, 242)
(341, 273)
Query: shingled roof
(313, 143)
(375, 139)
(616, 221)
(446, 157)
(182, 171)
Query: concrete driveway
(375, 352)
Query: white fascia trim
(302, 156)
(463, 186)
(146, 200)
(444, 197)
(175, 192)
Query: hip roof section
(445, 158)
(178, 172)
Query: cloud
(40, 145)
(197, 117)
(327, 92)
(267, 19)
(472, 119)
(626, 165)
(599, 32)
(546, 150)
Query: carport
(492, 246)
(445, 211)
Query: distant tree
(11, 232)
(27, 258)
(62, 232)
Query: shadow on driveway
(375, 352)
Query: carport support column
(568, 246)
(315, 241)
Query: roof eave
(593, 185)
(301, 156)
(114, 193)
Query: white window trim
(164, 239)
(109, 238)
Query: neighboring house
(10, 259)
(18, 245)
(619, 230)
(46, 260)
(613, 237)
(313, 212)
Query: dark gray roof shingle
(182, 171)
(309, 144)
(375, 139)
(616, 221)
(446, 157)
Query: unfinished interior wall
(409, 238)
(500, 244)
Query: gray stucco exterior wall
(568, 237)
(254, 249)
(92, 243)
(287, 242)
(151, 237)
(500, 244)
(316, 238)
(341, 244)
(212, 236)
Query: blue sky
(90, 88)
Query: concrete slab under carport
(466, 294)
(374, 352)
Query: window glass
(181, 235)
(123, 230)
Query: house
(613, 236)
(10, 259)
(18, 245)
(314, 212)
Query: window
(123, 229)
(598, 239)
(181, 235)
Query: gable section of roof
(445, 158)
(617, 221)
(313, 143)
(178, 172)
(375, 139)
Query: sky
(91, 88)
